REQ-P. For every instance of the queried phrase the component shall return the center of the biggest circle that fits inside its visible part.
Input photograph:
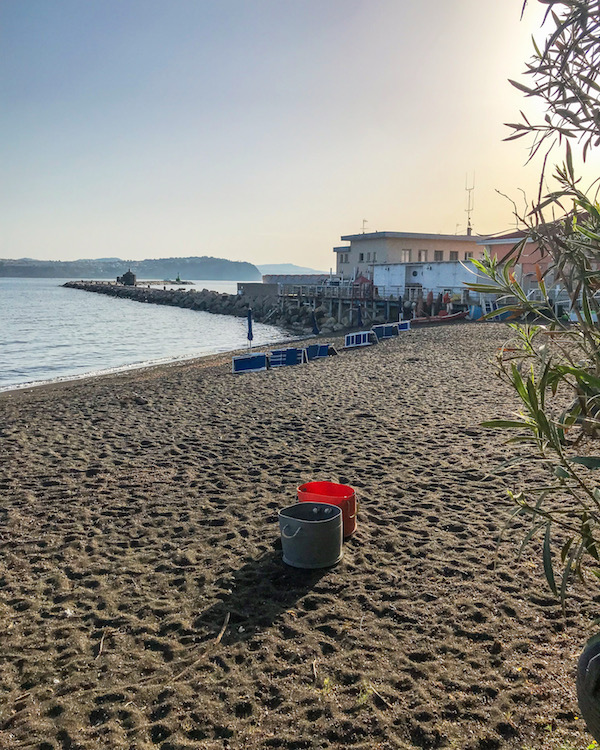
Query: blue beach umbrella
(250, 334)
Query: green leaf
(522, 87)
(587, 311)
(548, 560)
(532, 532)
(566, 572)
(522, 439)
(502, 310)
(568, 115)
(484, 288)
(566, 547)
(582, 376)
(570, 162)
(514, 137)
(504, 423)
(533, 398)
(590, 462)
(518, 383)
(587, 537)
(590, 234)
(561, 473)
(590, 82)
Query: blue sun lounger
(362, 338)
(286, 357)
(403, 325)
(250, 362)
(385, 331)
(317, 351)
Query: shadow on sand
(255, 595)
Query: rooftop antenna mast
(470, 201)
(363, 226)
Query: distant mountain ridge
(217, 269)
(287, 268)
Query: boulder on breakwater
(295, 319)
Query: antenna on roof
(470, 201)
(363, 228)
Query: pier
(295, 307)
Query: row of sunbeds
(256, 361)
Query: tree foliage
(553, 359)
(564, 76)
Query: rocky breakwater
(267, 310)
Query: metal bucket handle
(290, 536)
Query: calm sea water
(50, 333)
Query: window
(453, 254)
(438, 255)
(368, 256)
(374, 257)
(422, 256)
(468, 255)
(406, 256)
(361, 257)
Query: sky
(255, 130)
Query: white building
(410, 279)
(367, 250)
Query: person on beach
(420, 305)
(430, 303)
(438, 304)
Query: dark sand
(139, 511)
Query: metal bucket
(311, 535)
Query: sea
(50, 333)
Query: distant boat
(442, 317)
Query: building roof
(406, 236)
(503, 239)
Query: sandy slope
(138, 515)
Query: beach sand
(138, 520)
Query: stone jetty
(294, 318)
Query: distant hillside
(216, 269)
(286, 268)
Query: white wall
(431, 276)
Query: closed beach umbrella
(360, 320)
(250, 334)
(314, 325)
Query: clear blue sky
(256, 130)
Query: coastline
(142, 589)
(54, 334)
(217, 358)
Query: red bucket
(341, 495)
